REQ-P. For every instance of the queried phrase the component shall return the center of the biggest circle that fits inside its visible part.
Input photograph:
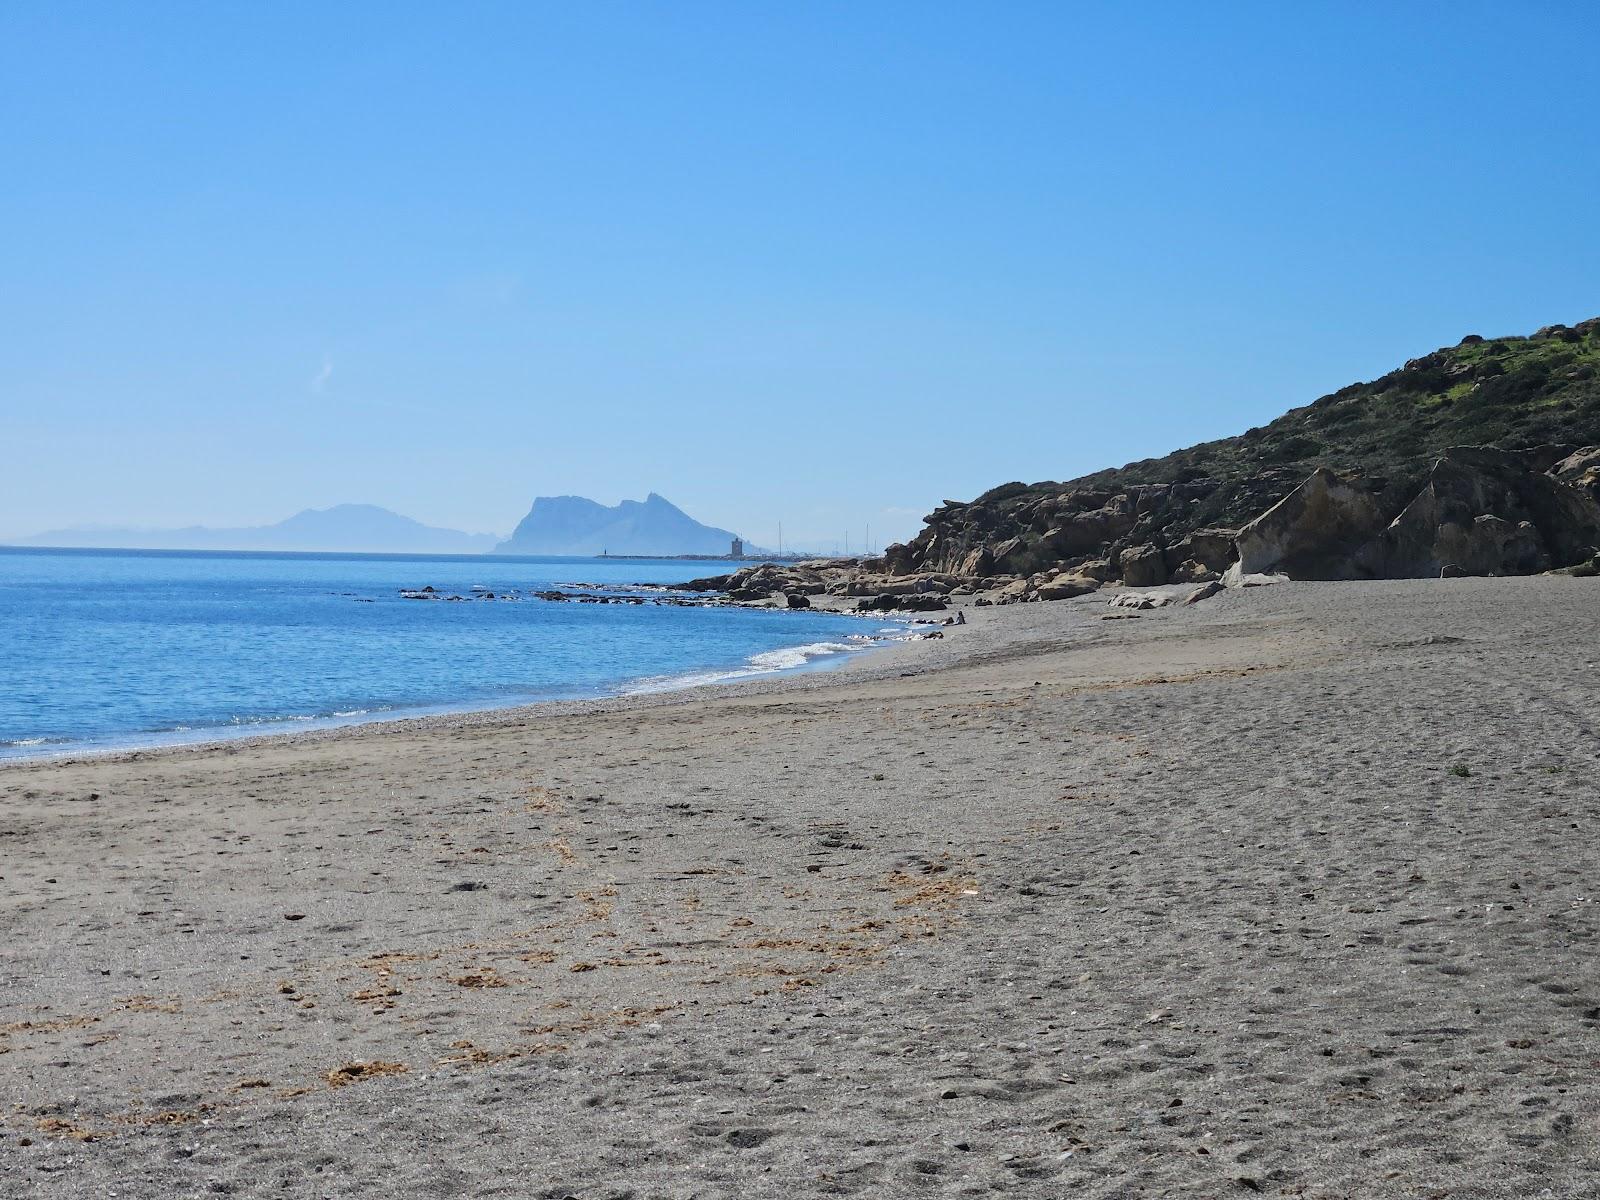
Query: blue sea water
(117, 648)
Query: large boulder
(1064, 587)
(1483, 512)
(1490, 545)
(1315, 532)
(1583, 570)
(1010, 593)
(1202, 555)
(1143, 566)
(1012, 556)
(1581, 470)
(1140, 600)
(1189, 571)
(879, 585)
(709, 583)
(901, 587)
(1233, 577)
(1576, 465)
(1088, 532)
(977, 562)
(899, 559)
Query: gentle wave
(768, 662)
(796, 656)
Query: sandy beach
(1292, 892)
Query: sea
(121, 649)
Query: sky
(824, 264)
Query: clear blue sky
(827, 263)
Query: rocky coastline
(1478, 459)
(1480, 511)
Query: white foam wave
(798, 656)
(271, 720)
(765, 663)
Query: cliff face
(1536, 398)
(578, 526)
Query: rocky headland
(576, 525)
(1478, 459)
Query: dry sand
(1291, 893)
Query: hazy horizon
(821, 266)
(500, 532)
(352, 528)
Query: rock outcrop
(1502, 429)
(1485, 512)
(1479, 459)
(1480, 511)
(1143, 566)
(1315, 532)
(1065, 587)
(1069, 528)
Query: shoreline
(1286, 892)
(443, 717)
(149, 742)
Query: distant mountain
(344, 527)
(574, 525)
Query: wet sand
(1289, 893)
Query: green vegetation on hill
(1513, 393)
(1517, 394)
